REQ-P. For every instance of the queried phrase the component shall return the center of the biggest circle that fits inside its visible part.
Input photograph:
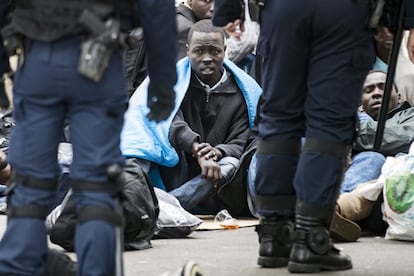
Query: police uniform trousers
(316, 56)
(47, 91)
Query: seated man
(399, 128)
(197, 149)
(188, 13)
(366, 164)
(398, 136)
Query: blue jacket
(148, 140)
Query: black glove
(160, 101)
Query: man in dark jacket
(313, 73)
(399, 128)
(188, 13)
(211, 127)
(71, 68)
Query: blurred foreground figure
(70, 69)
(313, 73)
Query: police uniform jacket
(229, 10)
(4, 61)
(157, 20)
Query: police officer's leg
(285, 54)
(99, 217)
(338, 64)
(33, 155)
(95, 119)
(319, 175)
(275, 199)
(23, 248)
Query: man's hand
(160, 101)
(410, 45)
(206, 151)
(210, 170)
(235, 28)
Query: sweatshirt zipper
(208, 95)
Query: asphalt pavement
(234, 253)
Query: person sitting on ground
(238, 50)
(188, 13)
(404, 71)
(398, 136)
(366, 164)
(198, 148)
(399, 128)
(383, 40)
(398, 133)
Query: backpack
(140, 208)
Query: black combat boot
(312, 249)
(58, 263)
(275, 242)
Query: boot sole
(272, 261)
(343, 229)
(312, 268)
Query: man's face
(384, 38)
(206, 54)
(372, 93)
(203, 9)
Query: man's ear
(188, 48)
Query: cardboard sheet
(209, 224)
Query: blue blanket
(148, 140)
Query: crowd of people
(310, 116)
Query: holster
(15, 43)
(103, 38)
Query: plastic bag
(398, 193)
(238, 49)
(174, 221)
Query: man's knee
(228, 166)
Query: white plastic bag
(173, 220)
(237, 49)
(398, 193)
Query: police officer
(70, 68)
(316, 56)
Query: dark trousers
(47, 91)
(316, 55)
(195, 193)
